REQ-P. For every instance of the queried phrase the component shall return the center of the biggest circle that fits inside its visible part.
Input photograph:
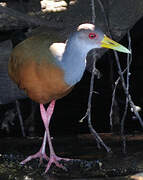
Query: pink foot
(39, 155)
(54, 159)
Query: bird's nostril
(111, 43)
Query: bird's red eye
(92, 35)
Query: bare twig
(129, 59)
(82, 119)
(114, 93)
(125, 87)
(104, 15)
(114, 89)
(120, 72)
(20, 118)
(93, 11)
(98, 139)
(132, 105)
(94, 70)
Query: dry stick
(129, 60)
(98, 139)
(89, 119)
(20, 118)
(104, 14)
(121, 73)
(88, 113)
(128, 97)
(132, 105)
(93, 11)
(114, 93)
(17, 102)
(116, 83)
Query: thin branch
(104, 15)
(125, 88)
(132, 105)
(20, 118)
(129, 59)
(82, 119)
(93, 11)
(114, 93)
(114, 90)
(94, 71)
(98, 139)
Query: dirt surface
(88, 161)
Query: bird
(48, 70)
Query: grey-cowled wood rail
(48, 71)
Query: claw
(34, 156)
(54, 159)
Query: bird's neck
(73, 62)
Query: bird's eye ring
(92, 35)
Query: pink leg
(46, 116)
(40, 154)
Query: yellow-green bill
(109, 43)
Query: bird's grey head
(88, 37)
